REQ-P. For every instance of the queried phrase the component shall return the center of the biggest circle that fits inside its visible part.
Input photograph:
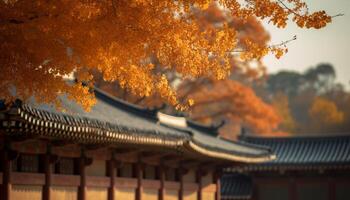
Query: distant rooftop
(303, 152)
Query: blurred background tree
(317, 104)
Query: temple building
(310, 167)
(116, 151)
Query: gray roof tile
(305, 150)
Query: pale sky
(330, 44)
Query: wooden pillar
(217, 176)
(161, 175)
(82, 172)
(292, 189)
(255, 194)
(139, 176)
(6, 175)
(180, 174)
(331, 189)
(111, 173)
(199, 175)
(48, 174)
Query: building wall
(64, 192)
(302, 188)
(94, 193)
(171, 194)
(97, 168)
(26, 192)
(125, 193)
(28, 180)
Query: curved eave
(50, 125)
(227, 156)
(31, 125)
(294, 167)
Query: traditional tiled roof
(292, 153)
(306, 152)
(236, 186)
(211, 129)
(113, 121)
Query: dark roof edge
(126, 106)
(265, 152)
(212, 130)
(248, 144)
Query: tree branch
(22, 21)
(297, 14)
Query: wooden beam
(22, 138)
(153, 156)
(172, 160)
(125, 151)
(172, 157)
(59, 143)
(95, 146)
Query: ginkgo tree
(41, 42)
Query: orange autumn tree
(232, 102)
(42, 42)
(212, 18)
(324, 115)
(280, 103)
(229, 100)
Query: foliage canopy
(41, 42)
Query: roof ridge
(124, 105)
(212, 129)
(247, 143)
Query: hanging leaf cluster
(43, 42)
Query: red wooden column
(199, 182)
(139, 175)
(331, 188)
(292, 189)
(48, 174)
(255, 193)
(111, 173)
(217, 176)
(161, 175)
(82, 162)
(180, 174)
(6, 175)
